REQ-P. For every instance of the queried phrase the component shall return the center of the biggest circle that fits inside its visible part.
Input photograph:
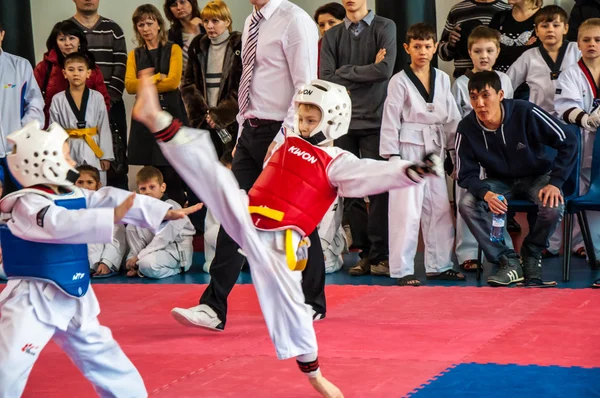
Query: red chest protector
(293, 191)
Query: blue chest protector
(64, 265)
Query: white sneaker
(317, 316)
(199, 316)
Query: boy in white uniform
(48, 295)
(577, 101)
(105, 258)
(420, 116)
(483, 46)
(82, 113)
(167, 253)
(287, 202)
(540, 68)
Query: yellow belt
(87, 135)
(290, 250)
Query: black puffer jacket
(582, 10)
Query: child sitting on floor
(167, 253)
(105, 258)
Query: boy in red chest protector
(288, 200)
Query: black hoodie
(516, 150)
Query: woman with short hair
(212, 78)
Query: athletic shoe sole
(186, 322)
(497, 283)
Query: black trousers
(369, 229)
(118, 116)
(227, 264)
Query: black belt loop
(256, 123)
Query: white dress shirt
(286, 59)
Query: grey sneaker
(381, 268)
(510, 272)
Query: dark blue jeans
(476, 214)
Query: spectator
(210, 85)
(517, 32)
(106, 41)
(507, 138)
(480, 11)
(420, 117)
(360, 55)
(327, 16)
(166, 253)
(154, 51)
(81, 112)
(66, 38)
(21, 102)
(576, 102)
(280, 56)
(541, 66)
(105, 258)
(582, 10)
(483, 47)
(186, 24)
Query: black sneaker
(510, 272)
(532, 269)
(531, 263)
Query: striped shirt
(106, 41)
(466, 10)
(214, 67)
(187, 39)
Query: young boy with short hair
(484, 48)
(420, 116)
(541, 66)
(289, 198)
(167, 253)
(48, 295)
(577, 102)
(82, 112)
(105, 258)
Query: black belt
(254, 123)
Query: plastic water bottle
(224, 135)
(498, 222)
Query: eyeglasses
(175, 3)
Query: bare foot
(325, 387)
(146, 106)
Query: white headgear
(38, 156)
(336, 110)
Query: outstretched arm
(139, 210)
(355, 178)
